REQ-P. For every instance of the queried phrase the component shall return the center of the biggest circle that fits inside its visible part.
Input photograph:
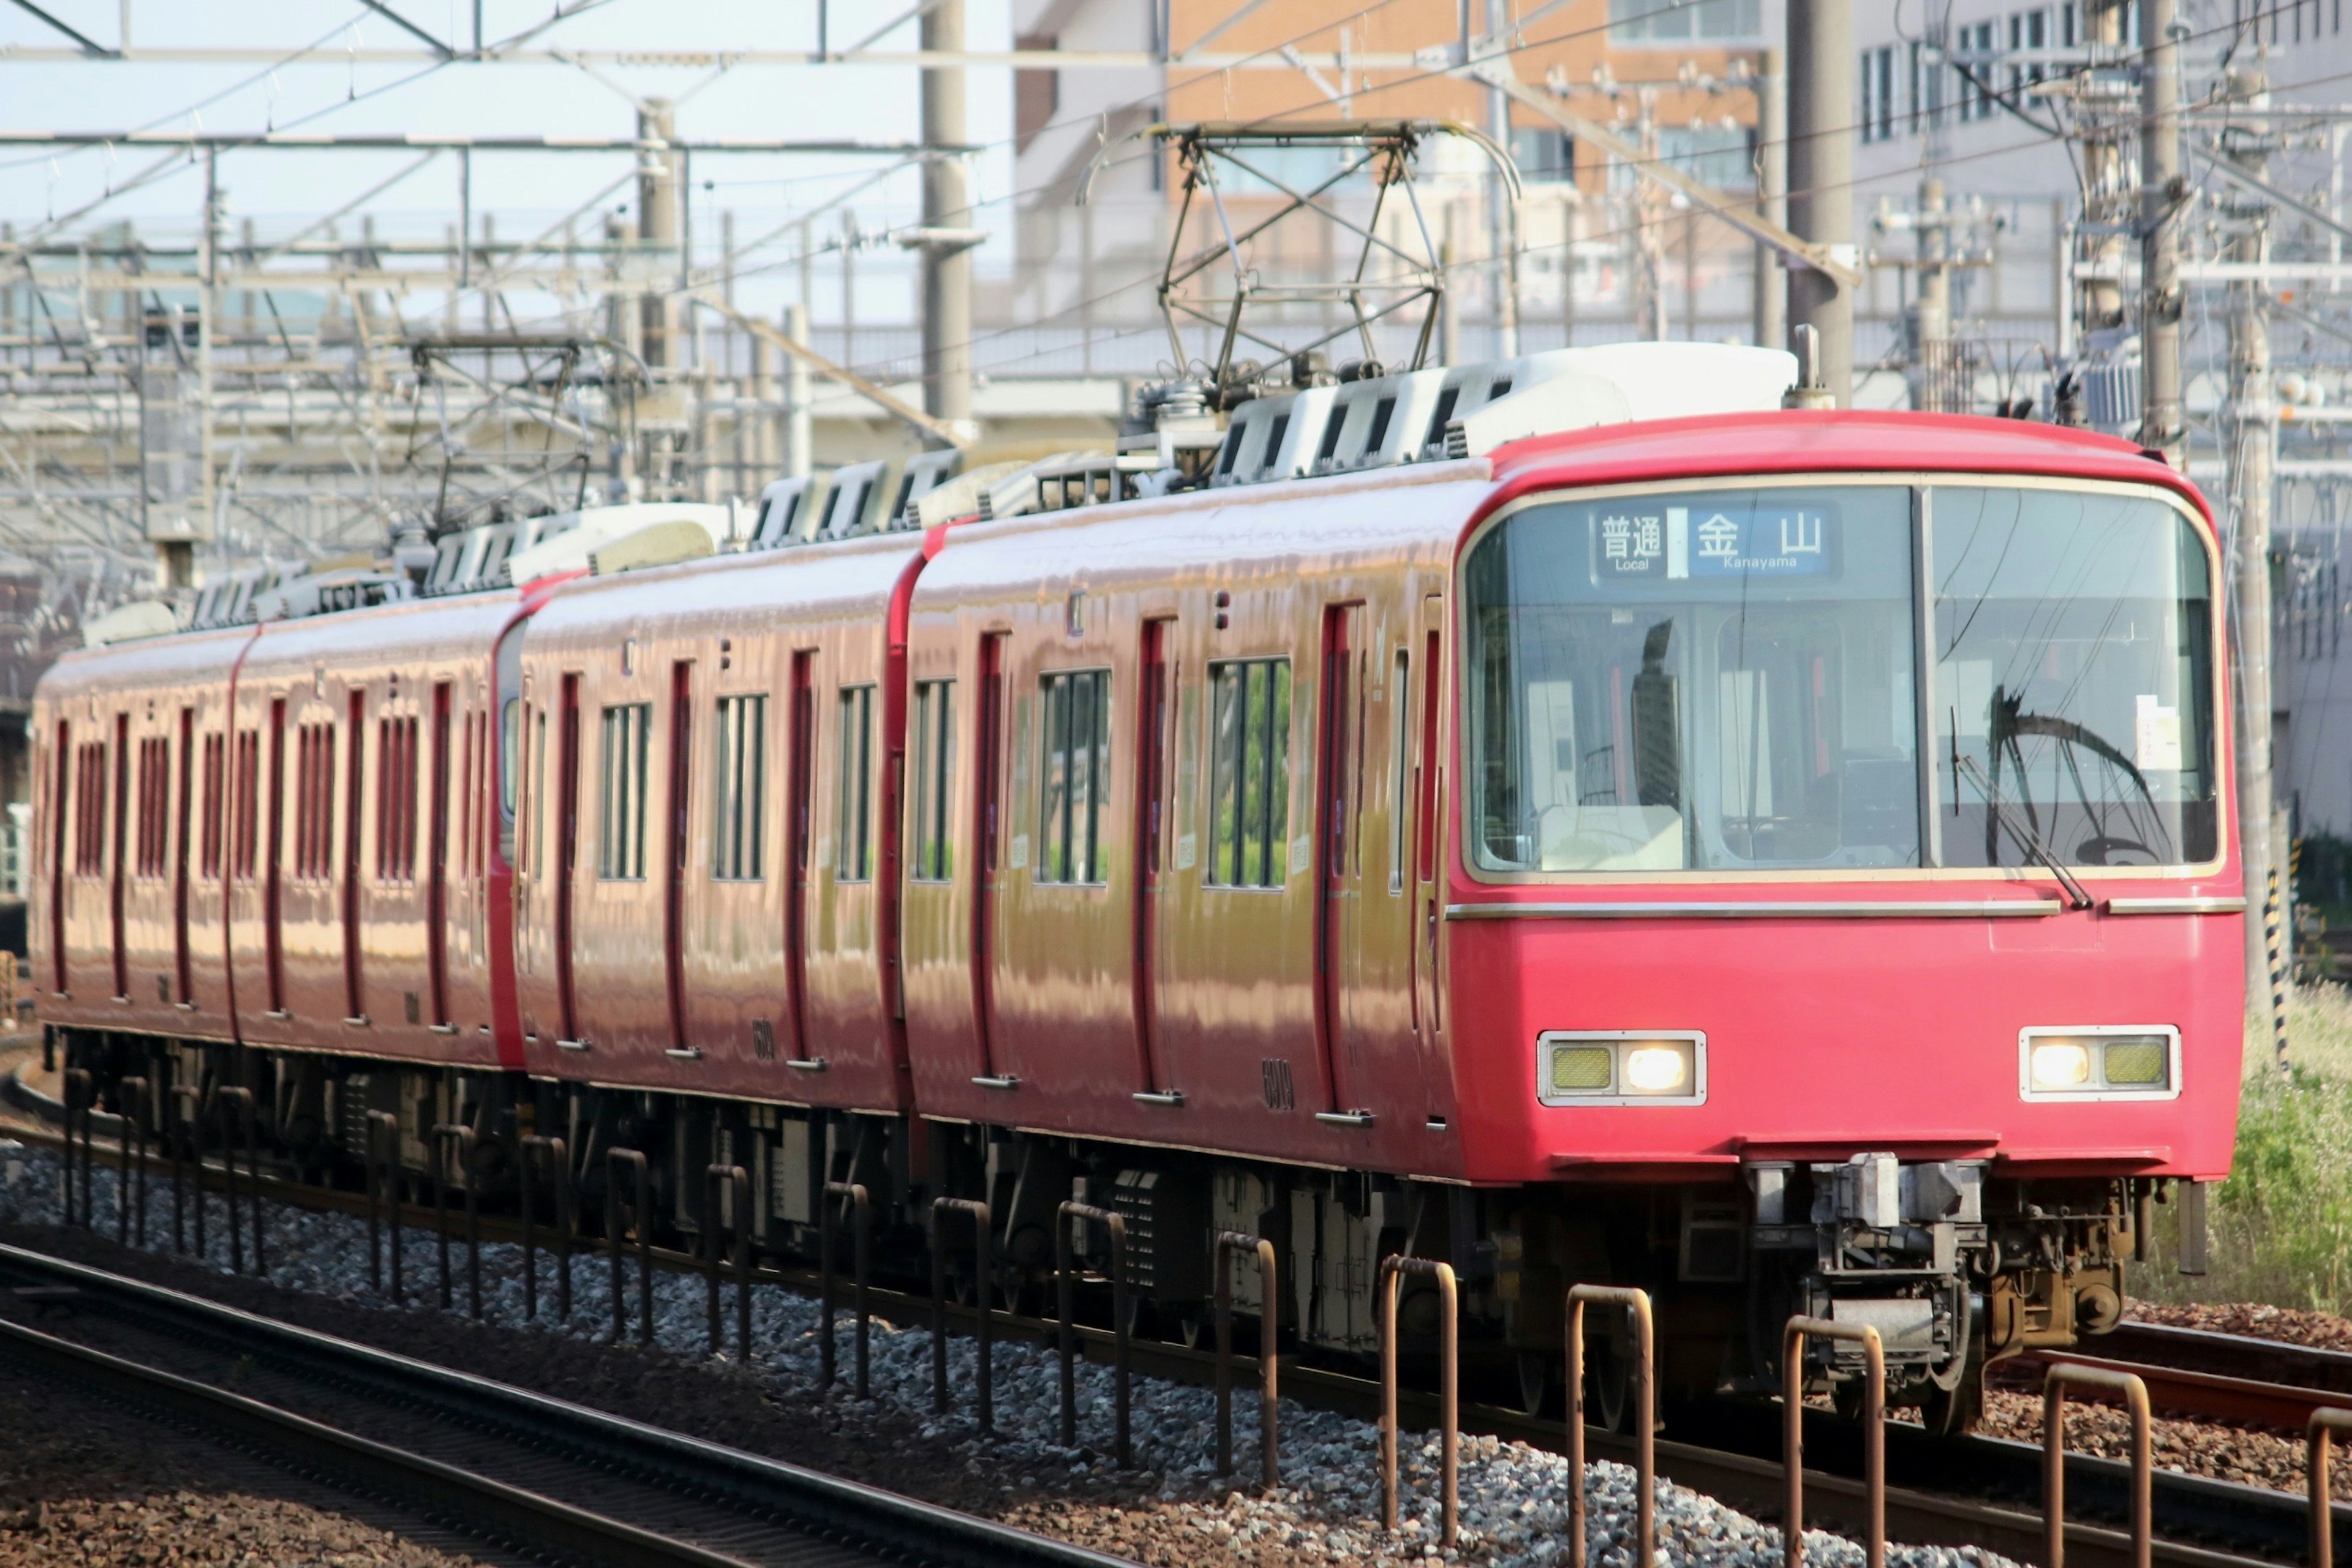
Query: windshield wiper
(2032, 842)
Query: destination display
(1676, 543)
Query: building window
(1076, 777)
(314, 803)
(1878, 94)
(739, 802)
(933, 748)
(2027, 30)
(1930, 89)
(1650, 22)
(1974, 45)
(1720, 156)
(853, 858)
(1543, 154)
(620, 837)
(1249, 780)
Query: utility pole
(798, 458)
(2163, 425)
(657, 197)
(1502, 220)
(2253, 452)
(1772, 194)
(946, 213)
(1650, 210)
(1820, 177)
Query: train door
(1338, 787)
(1428, 790)
(436, 871)
(681, 741)
(1150, 813)
(118, 871)
(988, 802)
(800, 785)
(567, 851)
(274, 863)
(184, 962)
(61, 803)
(355, 797)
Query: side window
(216, 784)
(154, 805)
(620, 837)
(933, 746)
(395, 811)
(246, 851)
(739, 785)
(853, 853)
(90, 820)
(1074, 777)
(314, 799)
(1249, 773)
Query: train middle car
(1782, 860)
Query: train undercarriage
(1956, 1268)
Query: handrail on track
(2323, 1426)
(854, 1194)
(559, 1162)
(1873, 1434)
(1232, 1244)
(462, 1134)
(984, 1231)
(2133, 1393)
(1065, 1279)
(736, 1179)
(1393, 1269)
(1646, 1424)
(616, 1161)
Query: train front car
(1845, 916)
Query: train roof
(1796, 441)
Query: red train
(1782, 860)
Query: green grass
(2281, 1226)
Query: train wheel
(1537, 1380)
(1956, 1411)
(1608, 1383)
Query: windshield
(1729, 678)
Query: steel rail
(1936, 1485)
(871, 1519)
(477, 1504)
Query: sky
(318, 86)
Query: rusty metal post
(238, 1094)
(854, 1194)
(383, 1163)
(1645, 1423)
(559, 1170)
(633, 1159)
(444, 1134)
(2324, 1423)
(739, 1181)
(1066, 1286)
(983, 1233)
(1874, 1433)
(79, 1093)
(181, 1131)
(131, 1100)
(1393, 1269)
(1230, 1244)
(2133, 1393)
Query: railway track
(1970, 1492)
(517, 1468)
(2222, 1377)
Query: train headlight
(2061, 1064)
(1620, 1067)
(2102, 1063)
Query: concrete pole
(798, 454)
(2253, 453)
(1931, 319)
(1502, 217)
(1772, 194)
(1821, 175)
(657, 197)
(947, 205)
(2163, 423)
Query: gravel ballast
(1169, 1509)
